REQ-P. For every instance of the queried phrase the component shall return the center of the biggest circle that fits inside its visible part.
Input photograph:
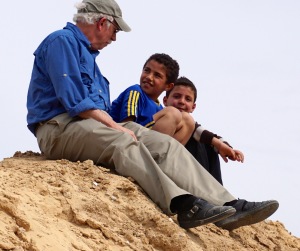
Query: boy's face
(181, 97)
(153, 79)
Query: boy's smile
(181, 97)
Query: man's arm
(105, 119)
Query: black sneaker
(202, 213)
(248, 213)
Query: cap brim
(121, 23)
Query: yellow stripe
(150, 124)
(129, 103)
(132, 103)
(136, 101)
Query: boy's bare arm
(227, 152)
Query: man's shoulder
(68, 31)
(54, 36)
(60, 33)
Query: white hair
(89, 17)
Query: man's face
(181, 97)
(106, 33)
(153, 80)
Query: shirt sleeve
(204, 136)
(129, 104)
(65, 71)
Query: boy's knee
(188, 119)
(173, 113)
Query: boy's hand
(227, 152)
(239, 156)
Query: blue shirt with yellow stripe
(134, 102)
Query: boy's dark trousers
(206, 156)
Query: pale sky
(243, 56)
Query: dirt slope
(62, 205)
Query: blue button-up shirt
(65, 78)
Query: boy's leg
(198, 150)
(174, 123)
(206, 156)
(214, 163)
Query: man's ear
(169, 86)
(100, 23)
(165, 100)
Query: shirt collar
(79, 35)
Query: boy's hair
(172, 67)
(183, 81)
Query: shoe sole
(196, 223)
(250, 217)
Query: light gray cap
(108, 7)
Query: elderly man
(68, 104)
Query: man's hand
(124, 129)
(105, 119)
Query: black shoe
(202, 213)
(248, 213)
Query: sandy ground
(62, 205)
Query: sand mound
(62, 205)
